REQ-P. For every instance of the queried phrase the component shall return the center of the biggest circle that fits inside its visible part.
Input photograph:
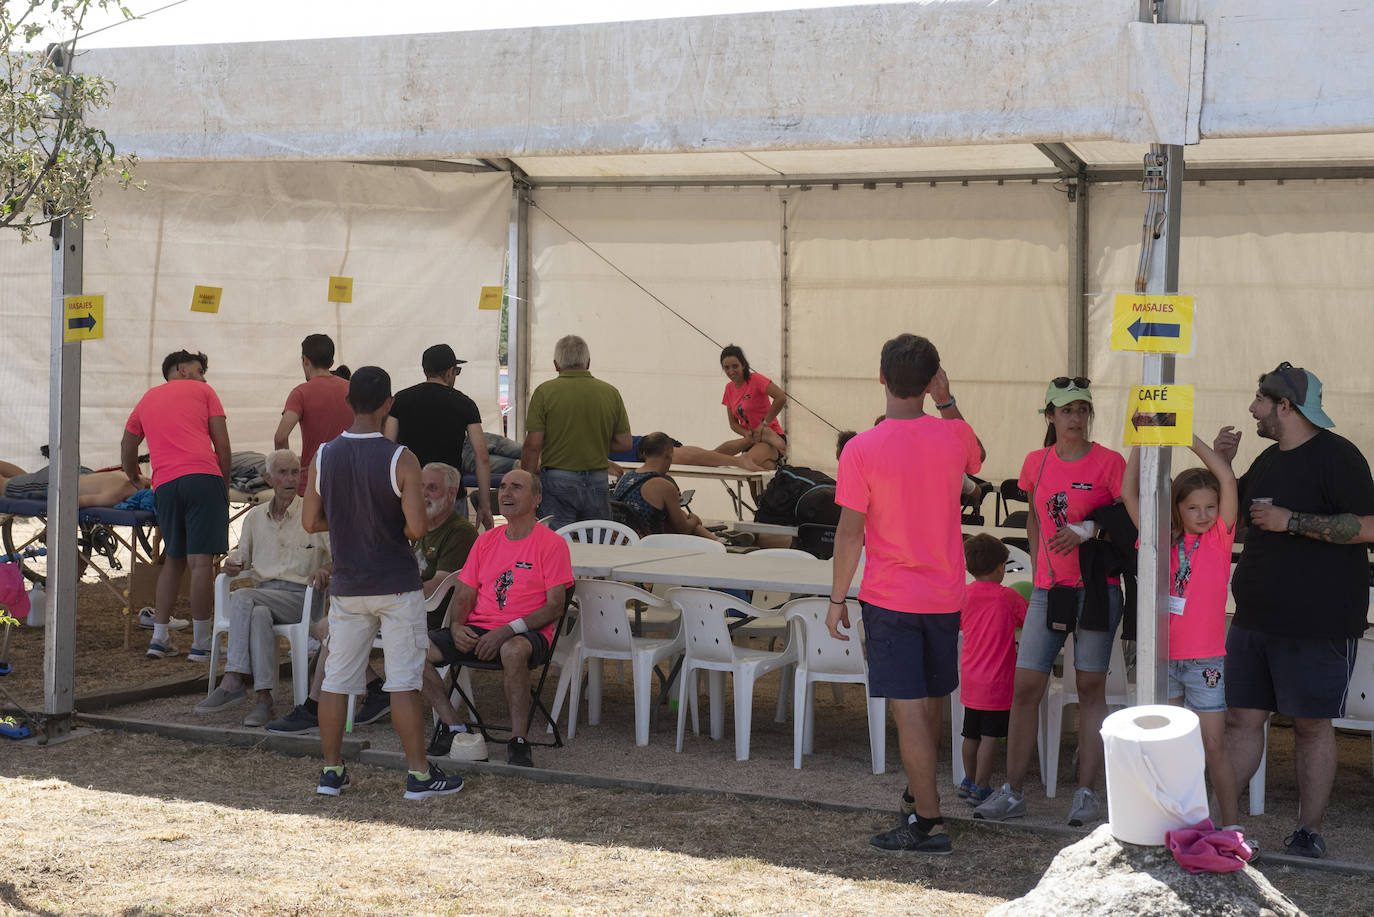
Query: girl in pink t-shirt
(1202, 516)
(752, 403)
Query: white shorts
(354, 620)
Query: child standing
(987, 663)
(1202, 515)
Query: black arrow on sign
(1139, 420)
(86, 321)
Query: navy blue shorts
(910, 656)
(990, 723)
(1305, 677)
(193, 515)
(442, 638)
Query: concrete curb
(307, 746)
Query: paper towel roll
(1155, 766)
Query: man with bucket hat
(1301, 588)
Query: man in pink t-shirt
(898, 488)
(319, 404)
(514, 584)
(188, 442)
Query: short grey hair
(453, 479)
(571, 353)
(276, 458)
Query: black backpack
(798, 496)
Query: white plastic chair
(694, 543)
(820, 657)
(606, 634)
(598, 531)
(297, 635)
(708, 646)
(1062, 692)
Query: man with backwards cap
(1300, 588)
(432, 418)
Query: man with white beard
(444, 548)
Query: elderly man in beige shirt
(282, 559)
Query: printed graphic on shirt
(1185, 573)
(523, 565)
(739, 411)
(503, 584)
(1078, 485)
(1058, 508)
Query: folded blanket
(1202, 848)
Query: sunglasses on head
(1075, 382)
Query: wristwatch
(948, 404)
(1293, 524)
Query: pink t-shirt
(322, 405)
(1067, 492)
(749, 403)
(905, 476)
(175, 419)
(1200, 631)
(987, 665)
(513, 577)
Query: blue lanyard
(1185, 566)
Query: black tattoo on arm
(1338, 529)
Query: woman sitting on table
(653, 495)
(752, 403)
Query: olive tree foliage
(52, 161)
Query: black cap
(438, 359)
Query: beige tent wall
(418, 246)
(980, 270)
(1280, 272)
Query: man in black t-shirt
(1301, 589)
(433, 419)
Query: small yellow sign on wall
(1149, 323)
(490, 298)
(85, 318)
(1160, 415)
(206, 299)
(340, 289)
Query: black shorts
(1305, 677)
(193, 515)
(910, 656)
(442, 638)
(980, 724)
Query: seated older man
(282, 559)
(444, 548)
(653, 496)
(514, 585)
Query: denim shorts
(910, 655)
(1199, 683)
(1092, 649)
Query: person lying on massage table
(96, 488)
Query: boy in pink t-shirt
(987, 661)
(898, 488)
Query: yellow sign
(1146, 323)
(1160, 415)
(85, 318)
(206, 299)
(340, 289)
(490, 298)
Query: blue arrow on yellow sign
(85, 318)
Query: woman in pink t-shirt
(1202, 516)
(1067, 480)
(752, 402)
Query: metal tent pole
(518, 316)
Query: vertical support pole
(1078, 277)
(786, 316)
(1152, 594)
(518, 315)
(64, 438)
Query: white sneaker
(147, 614)
(468, 746)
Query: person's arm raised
(1227, 499)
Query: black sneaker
(332, 784)
(441, 741)
(297, 722)
(518, 753)
(1305, 842)
(438, 784)
(908, 838)
(376, 705)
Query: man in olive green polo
(573, 423)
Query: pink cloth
(1202, 848)
(987, 663)
(1067, 492)
(1200, 631)
(175, 419)
(749, 403)
(322, 406)
(512, 577)
(12, 593)
(905, 476)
